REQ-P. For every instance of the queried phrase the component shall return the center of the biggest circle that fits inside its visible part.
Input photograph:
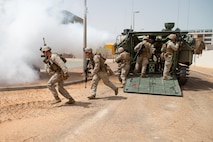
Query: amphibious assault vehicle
(182, 59)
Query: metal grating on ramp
(153, 85)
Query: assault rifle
(180, 38)
(138, 52)
(86, 72)
(44, 42)
(46, 60)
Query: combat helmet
(88, 50)
(172, 36)
(45, 48)
(120, 49)
(158, 38)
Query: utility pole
(133, 19)
(85, 33)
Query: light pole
(85, 33)
(133, 19)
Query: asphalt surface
(27, 115)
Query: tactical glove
(65, 76)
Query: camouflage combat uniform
(143, 58)
(171, 47)
(124, 60)
(57, 68)
(99, 72)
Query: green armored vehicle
(153, 82)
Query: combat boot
(123, 84)
(71, 101)
(135, 72)
(57, 100)
(165, 78)
(143, 75)
(116, 91)
(91, 97)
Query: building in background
(206, 35)
(69, 17)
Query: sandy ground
(25, 115)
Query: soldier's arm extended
(137, 47)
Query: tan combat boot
(91, 97)
(71, 101)
(143, 75)
(57, 100)
(116, 91)
(165, 78)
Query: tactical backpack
(62, 58)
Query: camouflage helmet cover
(120, 49)
(45, 48)
(158, 38)
(145, 38)
(172, 36)
(88, 50)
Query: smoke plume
(23, 25)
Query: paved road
(28, 115)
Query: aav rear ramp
(153, 85)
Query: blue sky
(116, 15)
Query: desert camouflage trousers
(167, 66)
(57, 79)
(95, 80)
(124, 73)
(141, 61)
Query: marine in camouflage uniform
(97, 63)
(157, 46)
(56, 66)
(124, 60)
(170, 48)
(143, 58)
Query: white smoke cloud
(23, 25)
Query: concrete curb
(13, 88)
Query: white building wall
(206, 35)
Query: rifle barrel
(44, 41)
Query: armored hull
(153, 83)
